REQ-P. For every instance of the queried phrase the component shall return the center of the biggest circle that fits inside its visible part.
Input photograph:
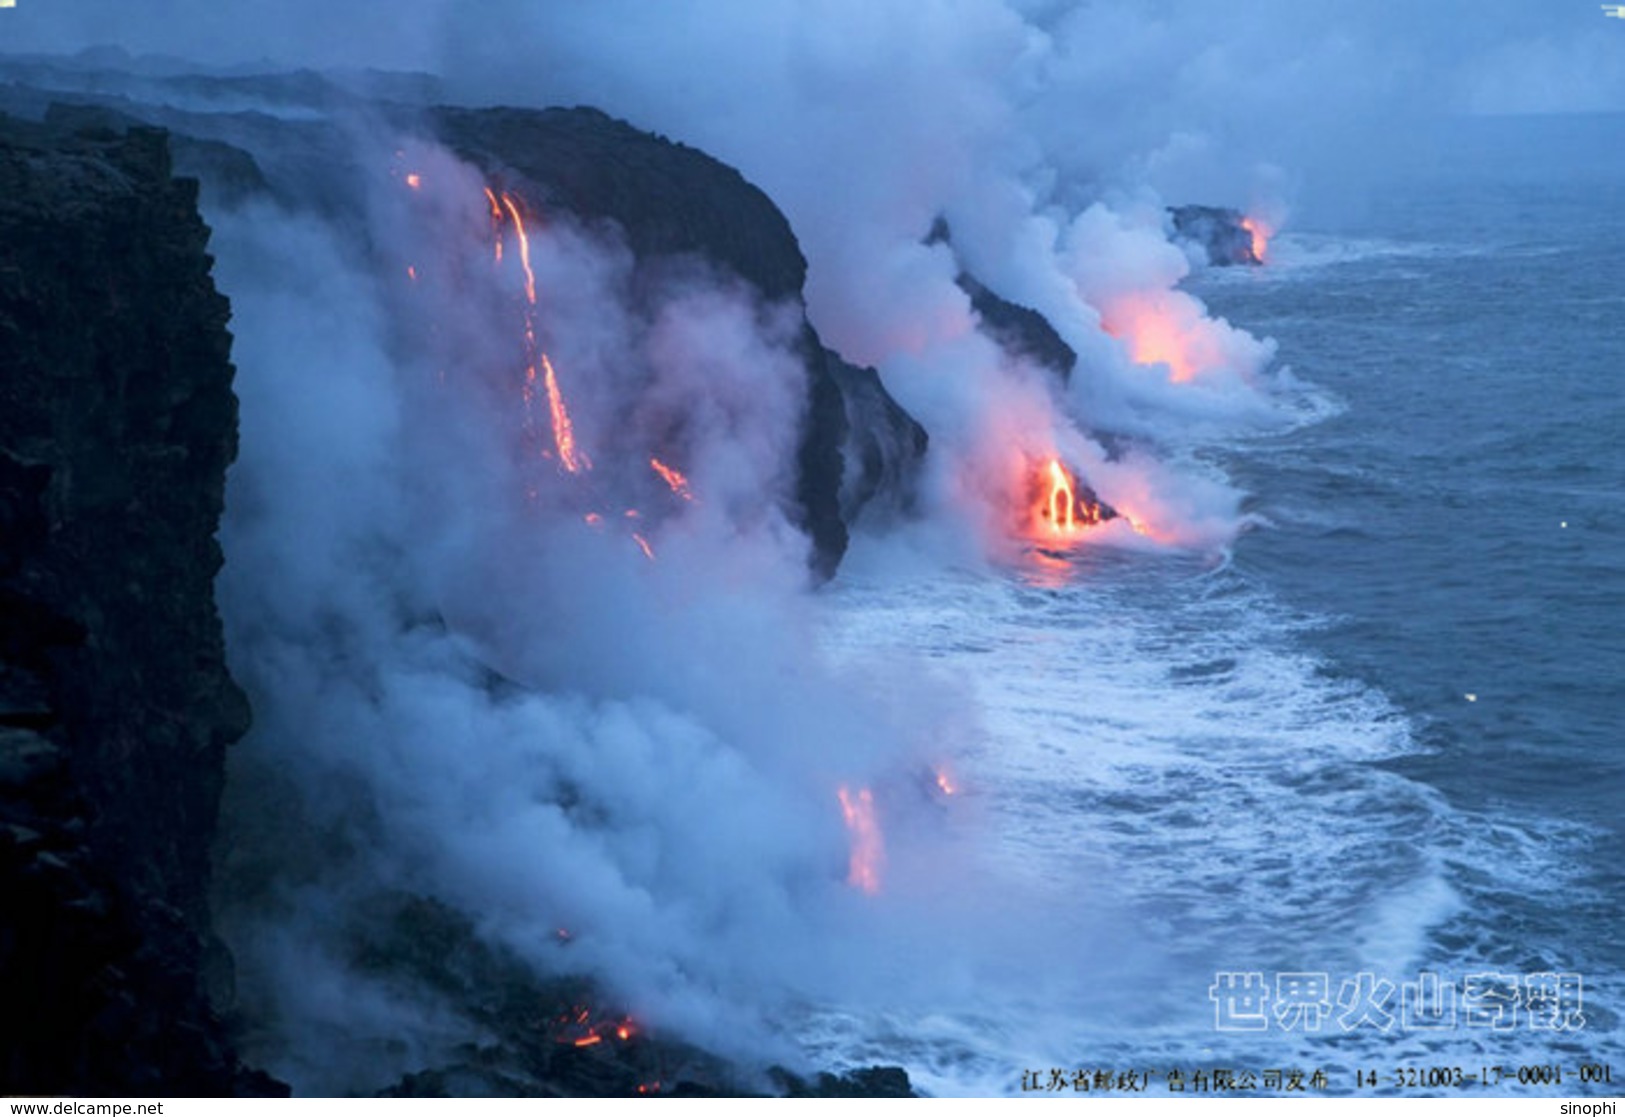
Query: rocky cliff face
(883, 448)
(117, 423)
(1019, 330)
(667, 200)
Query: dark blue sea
(1348, 796)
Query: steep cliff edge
(117, 423)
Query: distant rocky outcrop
(117, 423)
(1217, 231)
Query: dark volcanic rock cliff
(668, 199)
(665, 199)
(1019, 330)
(884, 445)
(117, 423)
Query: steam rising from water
(464, 689)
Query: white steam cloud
(470, 681)
(469, 691)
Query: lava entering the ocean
(1059, 507)
(1157, 329)
(1260, 233)
(868, 849)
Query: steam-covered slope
(668, 200)
(117, 423)
(665, 200)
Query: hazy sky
(1498, 55)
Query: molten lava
(1261, 236)
(578, 1028)
(1058, 513)
(674, 480)
(496, 222)
(524, 249)
(868, 851)
(542, 377)
(564, 436)
(564, 441)
(1062, 506)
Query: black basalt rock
(1019, 330)
(117, 423)
(883, 449)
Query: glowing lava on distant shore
(1260, 233)
(868, 848)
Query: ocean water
(1377, 738)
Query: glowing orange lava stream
(1061, 501)
(1260, 234)
(1056, 514)
(564, 440)
(564, 436)
(674, 479)
(578, 1028)
(504, 209)
(524, 249)
(868, 849)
